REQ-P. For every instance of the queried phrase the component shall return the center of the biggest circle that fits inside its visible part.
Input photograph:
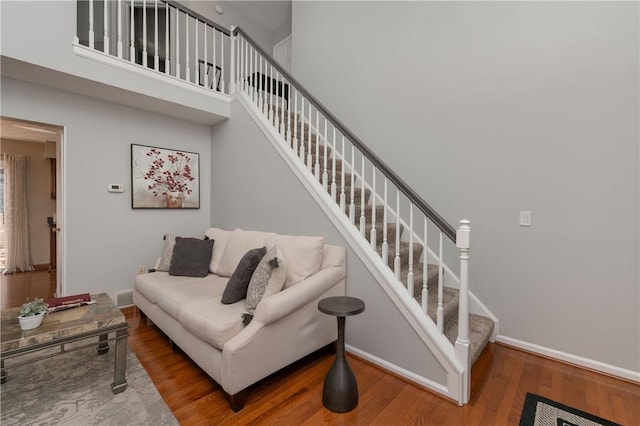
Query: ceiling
(19, 130)
(269, 14)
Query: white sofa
(286, 326)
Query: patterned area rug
(75, 389)
(539, 411)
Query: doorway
(34, 271)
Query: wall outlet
(525, 218)
(141, 270)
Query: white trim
(402, 372)
(124, 64)
(61, 212)
(592, 364)
(437, 343)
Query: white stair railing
(309, 125)
(162, 36)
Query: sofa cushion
(303, 255)
(212, 321)
(191, 257)
(149, 284)
(220, 237)
(267, 279)
(236, 288)
(172, 299)
(238, 244)
(167, 251)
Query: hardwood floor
(500, 380)
(15, 288)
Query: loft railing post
(105, 23)
(462, 342)
(232, 62)
(91, 33)
(119, 29)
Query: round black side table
(340, 390)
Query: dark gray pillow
(191, 257)
(236, 288)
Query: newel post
(232, 61)
(462, 342)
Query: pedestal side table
(340, 390)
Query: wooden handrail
(422, 205)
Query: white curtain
(16, 214)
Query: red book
(69, 300)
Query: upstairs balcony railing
(163, 36)
(167, 38)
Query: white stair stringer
(437, 343)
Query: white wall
(106, 240)
(489, 108)
(39, 202)
(252, 188)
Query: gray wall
(106, 239)
(252, 188)
(489, 108)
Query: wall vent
(124, 298)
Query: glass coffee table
(97, 321)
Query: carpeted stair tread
(480, 329)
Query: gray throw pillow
(191, 257)
(267, 279)
(236, 288)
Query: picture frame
(163, 178)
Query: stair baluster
(232, 64)
(325, 174)
(197, 66)
(132, 49)
(440, 310)
(91, 33)
(119, 30)
(363, 219)
(385, 244)
(309, 148)
(105, 12)
(187, 69)
(289, 114)
(343, 197)
(316, 165)
(410, 282)
(296, 121)
(222, 84)
(301, 124)
(396, 259)
(352, 206)
(372, 238)
(425, 271)
(333, 168)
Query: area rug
(75, 389)
(540, 411)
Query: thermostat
(115, 187)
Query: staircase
(480, 327)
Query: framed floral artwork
(164, 178)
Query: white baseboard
(399, 371)
(591, 364)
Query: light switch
(525, 218)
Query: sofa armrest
(287, 301)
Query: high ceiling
(269, 14)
